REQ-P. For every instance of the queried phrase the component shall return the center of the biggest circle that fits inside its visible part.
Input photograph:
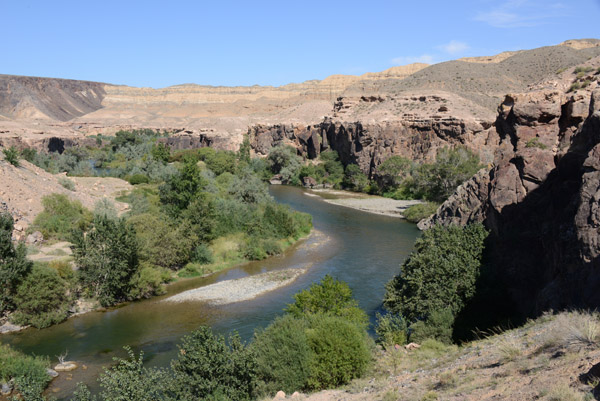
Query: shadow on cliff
(542, 253)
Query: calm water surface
(362, 249)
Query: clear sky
(162, 43)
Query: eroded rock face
(370, 144)
(541, 203)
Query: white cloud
(454, 47)
(424, 58)
(521, 13)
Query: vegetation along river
(362, 249)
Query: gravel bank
(241, 289)
(368, 203)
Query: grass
(509, 348)
(564, 393)
(535, 143)
(584, 328)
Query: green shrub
(283, 355)
(330, 296)
(416, 213)
(66, 183)
(340, 351)
(28, 372)
(130, 380)
(161, 152)
(202, 255)
(107, 256)
(29, 154)
(535, 143)
(393, 171)
(437, 181)
(14, 265)
(574, 87)
(438, 326)
(208, 367)
(440, 273)
(191, 270)
(148, 281)
(391, 330)
(11, 155)
(284, 160)
(41, 299)
(137, 179)
(61, 216)
(105, 208)
(355, 179)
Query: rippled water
(363, 249)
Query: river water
(365, 250)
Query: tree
(439, 274)
(393, 171)
(129, 380)
(243, 154)
(330, 296)
(209, 368)
(355, 179)
(14, 266)
(285, 161)
(41, 299)
(107, 257)
(437, 181)
(178, 191)
(161, 152)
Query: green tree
(284, 160)
(437, 181)
(41, 299)
(161, 152)
(209, 368)
(355, 179)
(393, 171)
(14, 266)
(340, 351)
(107, 256)
(129, 380)
(11, 155)
(330, 296)
(178, 191)
(439, 274)
(243, 154)
(283, 355)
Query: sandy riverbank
(365, 203)
(241, 289)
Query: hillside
(550, 358)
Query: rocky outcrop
(370, 144)
(541, 203)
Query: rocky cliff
(540, 199)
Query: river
(365, 250)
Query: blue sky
(162, 43)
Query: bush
(202, 255)
(340, 351)
(41, 299)
(61, 216)
(14, 265)
(437, 181)
(11, 155)
(416, 213)
(66, 183)
(535, 143)
(393, 171)
(355, 179)
(105, 208)
(207, 368)
(391, 330)
(28, 372)
(29, 154)
(438, 326)
(137, 179)
(283, 355)
(107, 257)
(284, 160)
(330, 296)
(148, 281)
(440, 273)
(130, 380)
